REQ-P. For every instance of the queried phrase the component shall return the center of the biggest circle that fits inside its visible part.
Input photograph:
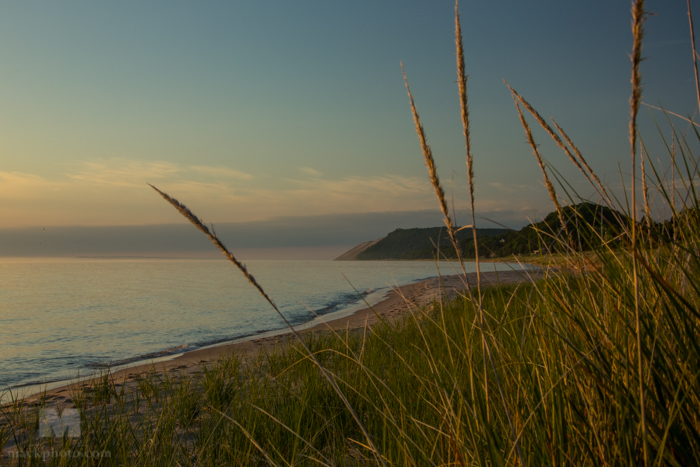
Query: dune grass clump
(599, 367)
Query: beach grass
(596, 364)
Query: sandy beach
(398, 302)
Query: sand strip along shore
(398, 302)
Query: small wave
(342, 301)
(163, 353)
(34, 383)
(172, 350)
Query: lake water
(63, 317)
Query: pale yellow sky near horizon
(252, 111)
(116, 192)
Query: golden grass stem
(432, 172)
(578, 160)
(197, 222)
(673, 171)
(580, 157)
(638, 17)
(190, 216)
(695, 55)
(672, 113)
(549, 131)
(464, 106)
(645, 188)
(536, 152)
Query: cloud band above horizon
(323, 232)
(116, 192)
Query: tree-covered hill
(587, 225)
(417, 243)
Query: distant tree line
(586, 226)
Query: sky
(287, 124)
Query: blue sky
(254, 111)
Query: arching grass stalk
(638, 17)
(434, 179)
(549, 131)
(604, 194)
(540, 162)
(576, 158)
(462, 83)
(645, 188)
(190, 216)
(695, 54)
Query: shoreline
(395, 304)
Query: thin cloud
(124, 172)
(511, 187)
(310, 171)
(131, 173)
(16, 186)
(221, 172)
(115, 192)
(394, 185)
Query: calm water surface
(64, 317)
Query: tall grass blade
(580, 157)
(540, 162)
(434, 179)
(464, 106)
(645, 188)
(549, 131)
(695, 54)
(189, 215)
(638, 17)
(463, 101)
